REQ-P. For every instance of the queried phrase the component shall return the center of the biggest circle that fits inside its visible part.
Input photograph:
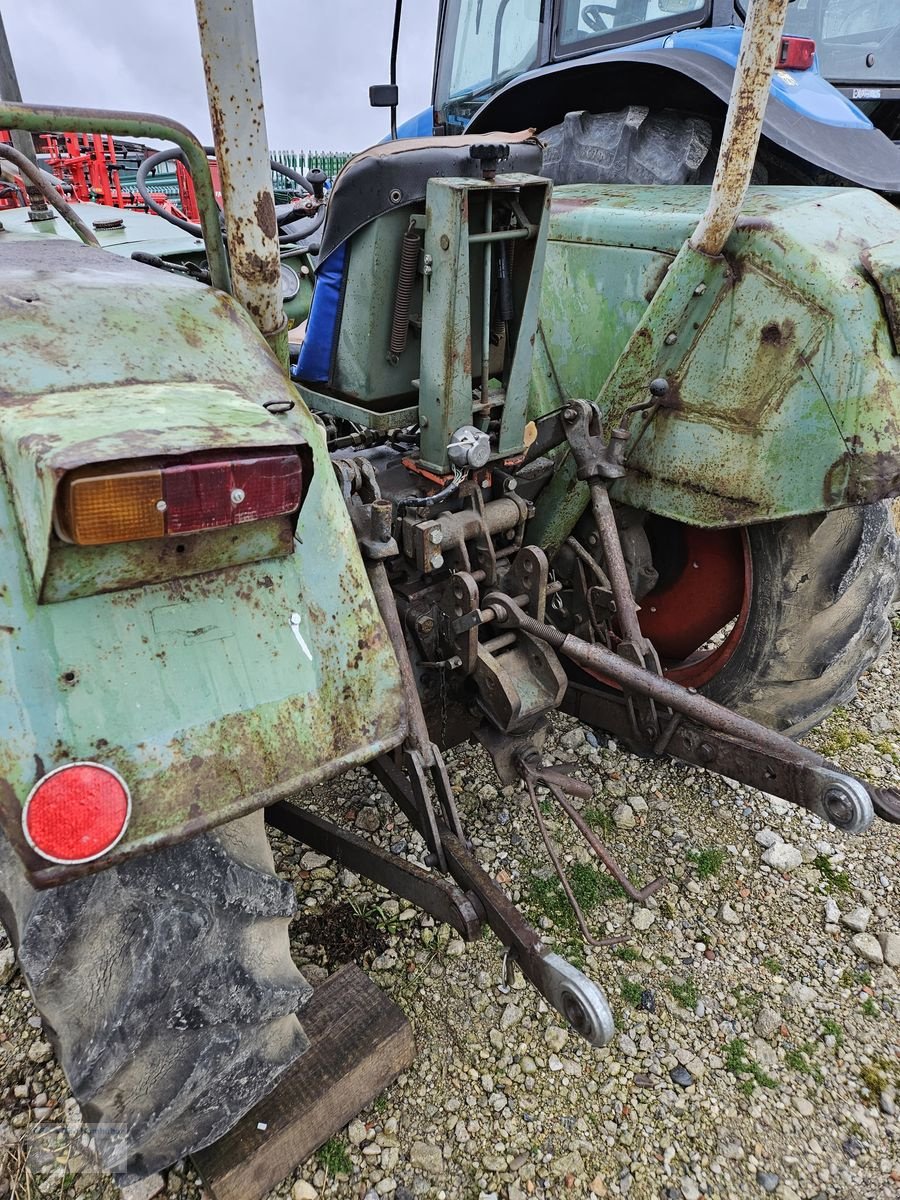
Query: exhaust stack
(760, 47)
(234, 89)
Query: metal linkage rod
(37, 118)
(842, 800)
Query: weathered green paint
(451, 322)
(210, 692)
(39, 118)
(784, 381)
(453, 309)
(150, 234)
(364, 375)
(74, 571)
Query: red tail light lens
(210, 495)
(100, 505)
(77, 812)
(796, 54)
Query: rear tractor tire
(811, 611)
(634, 145)
(167, 989)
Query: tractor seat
(382, 179)
(393, 174)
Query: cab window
(621, 20)
(492, 41)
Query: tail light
(124, 503)
(796, 53)
(77, 812)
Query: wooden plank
(360, 1041)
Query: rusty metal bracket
(577, 998)
(571, 993)
(833, 795)
(427, 891)
(595, 456)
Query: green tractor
(624, 451)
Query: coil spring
(409, 264)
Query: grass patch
(630, 991)
(592, 886)
(847, 733)
(708, 861)
(684, 994)
(870, 1008)
(737, 1062)
(878, 1075)
(547, 896)
(831, 1028)
(334, 1158)
(797, 1059)
(600, 820)
(851, 978)
(835, 881)
(747, 1001)
(773, 966)
(876, 1081)
(589, 886)
(627, 953)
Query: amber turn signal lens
(100, 509)
(100, 505)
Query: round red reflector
(77, 812)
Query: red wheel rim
(684, 612)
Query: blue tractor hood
(694, 70)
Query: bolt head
(238, 496)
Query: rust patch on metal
(265, 214)
(569, 203)
(873, 476)
(774, 334)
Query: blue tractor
(636, 90)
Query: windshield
(582, 23)
(858, 40)
(490, 41)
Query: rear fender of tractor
(694, 82)
(214, 672)
(780, 358)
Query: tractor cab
(834, 111)
(858, 47)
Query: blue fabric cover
(317, 351)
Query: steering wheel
(594, 16)
(295, 222)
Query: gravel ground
(758, 1045)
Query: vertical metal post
(9, 90)
(743, 126)
(21, 141)
(486, 303)
(234, 90)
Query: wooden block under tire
(360, 1041)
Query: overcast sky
(317, 61)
